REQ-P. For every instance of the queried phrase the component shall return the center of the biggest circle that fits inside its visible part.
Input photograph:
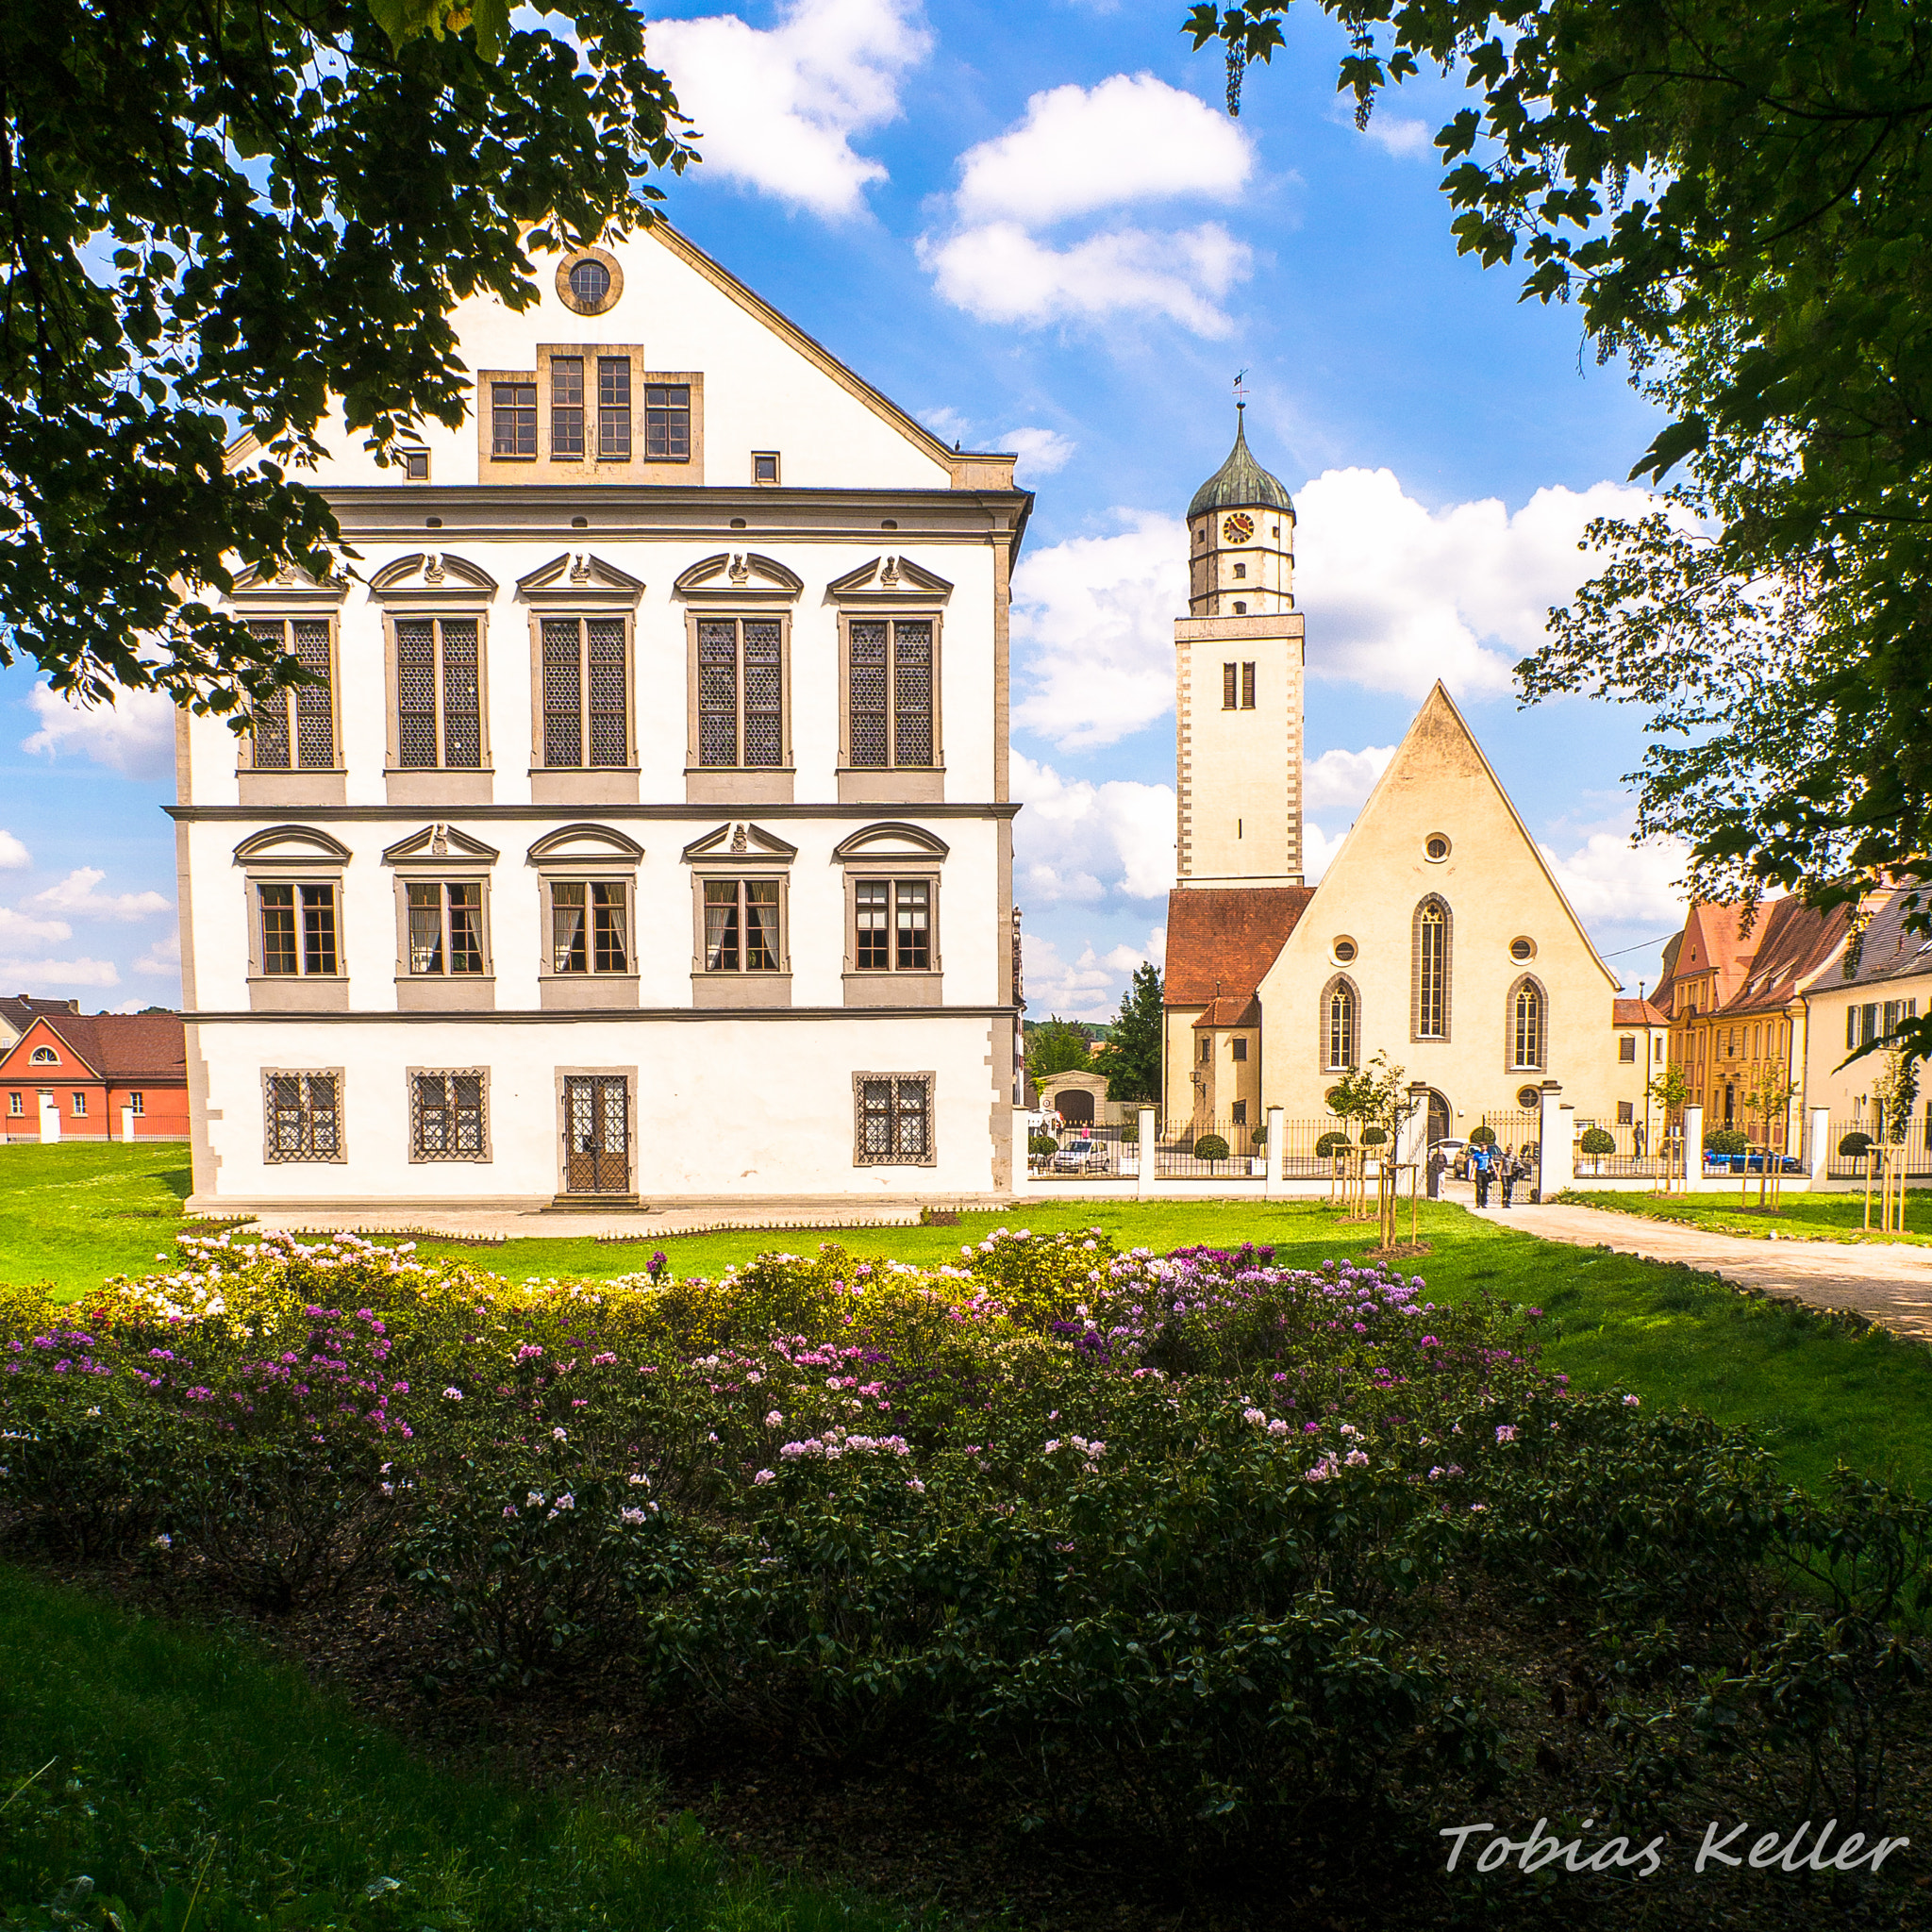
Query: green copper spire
(1240, 482)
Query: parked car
(1456, 1153)
(1082, 1154)
(1750, 1163)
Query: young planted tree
(223, 218)
(1767, 1101)
(1896, 1093)
(1671, 1089)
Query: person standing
(1439, 1163)
(1482, 1164)
(1508, 1170)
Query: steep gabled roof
(1714, 939)
(1888, 950)
(1221, 941)
(1629, 1013)
(119, 1046)
(1796, 942)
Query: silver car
(1082, 1155)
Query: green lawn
(187, 1776)
(1813, 1217)
(1816, 1391)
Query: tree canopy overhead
(215, 219)
(1131, 1053)
(1736, 196)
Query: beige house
(1439, 937)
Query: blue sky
(1039, 220)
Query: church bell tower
(1239, 663)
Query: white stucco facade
(731, 967)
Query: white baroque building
(647, 835)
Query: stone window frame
(1511, 1065)
(295, 856)
(1339, 982)
(860, 1157)
(739, 783)
(412, 1099)
(301, 599)
(439, 783)
(589, 468)
(893, 851)
(1626, 1040)
(445, 991)
(273, 1157)
(618, 862)
(1415, 993)
(746, 852)
(892, 781)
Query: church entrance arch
(1439, 1118)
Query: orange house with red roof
(94, 1076)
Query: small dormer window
(44, 1057)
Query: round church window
(1436, 847)
(1522, 951)
(1344, 950)
(590, 282)
(1528, 1099)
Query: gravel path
(1891, 1285)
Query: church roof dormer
(1241, 483)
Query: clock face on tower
(1236, 528)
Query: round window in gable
(1528, 1099)
(44, 1057)
(590, 282)
(1435, 848)
(1522, 951)
(1344, 951)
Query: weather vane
(1240, 388)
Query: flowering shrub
(1155, 1542)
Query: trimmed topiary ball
(1210, 1147)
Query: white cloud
(1340, 780)
(1405, 140)
(1318, 850)
(15, 856)
(1001, 273)
(1094, 625)
(1611, 882)
(134, 735)
(32, 975)
(75, 894)
(1132, 138)
(1079, 842)
(1088, 988)
(1040, 451)
(18, 928)
(778, 107)
(1398, 595)
(162, 959)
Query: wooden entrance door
(596, 1131)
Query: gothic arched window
(1528, 1021)
(1431, 970)
(1341, 1026)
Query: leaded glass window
(586, 692)
(741, 692)
(305, 1120)
(1526, 1026)
(447, 1116)
(894, 1125)
(1432, 971)
(296, 729)
(438, 694)
(1340, 1026)
(889, 692)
